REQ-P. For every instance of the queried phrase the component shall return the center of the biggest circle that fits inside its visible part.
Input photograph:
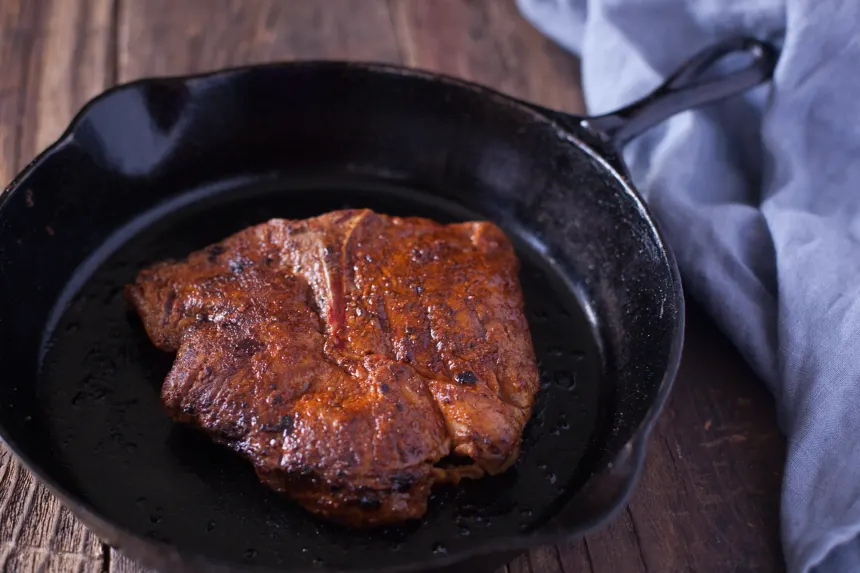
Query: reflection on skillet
(143, 472)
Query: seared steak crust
(349, 355)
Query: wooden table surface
(708, 497)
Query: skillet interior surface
(99, 392)
(160, 167)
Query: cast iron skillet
(159, 167)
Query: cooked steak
(355, 359)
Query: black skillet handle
(686, 89)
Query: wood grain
(36, 532)
(708, 496)
(17, 23)
(165, 37)
(119, 563)
(487, 42)
(69, 65)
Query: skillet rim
(574, 129)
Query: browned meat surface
(350, 355)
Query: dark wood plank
(709, 496)
(487, 42)
(37, 533)
(573, 557)
(68, 66)
(17, 22)
(519, 565)
(615, 547)
(53, 54)
(546, 560)
(165, 37)
(119, 563)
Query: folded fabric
(759, 197)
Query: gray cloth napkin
(760, 199)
